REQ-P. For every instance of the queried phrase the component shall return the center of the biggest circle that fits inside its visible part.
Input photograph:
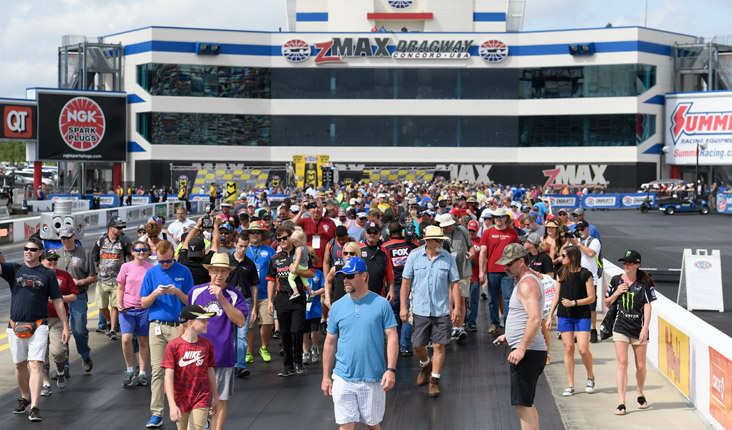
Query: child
(299, 241)
(313, 313)
(190, 382)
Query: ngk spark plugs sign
(699, 122)
(87, 126)
(18, 121)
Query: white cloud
(31, 31)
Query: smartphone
(165, 287)
(497, 342)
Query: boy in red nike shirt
(190, 382)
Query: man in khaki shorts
(110, 251)
(461, 247)
(260, 254)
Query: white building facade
(444, 86)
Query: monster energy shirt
(630, 316)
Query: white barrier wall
(20, 229)
(679, 348)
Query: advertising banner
(55, 197)
(19, 120)
(601, 201)
(141, 199)
(232, 192)
(82, 125)
(720, 388)
(6, 233)
(724, 203)
(673, 355)
(563, 202)
(699, 122)
(308, 169)
(634, 200)
(108, 200)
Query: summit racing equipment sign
(699, 122)
(84, 125)
(337, 50)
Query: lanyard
(67, 260)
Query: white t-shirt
(590, 263)
(177, 228)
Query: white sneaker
(590, 387)
(569, 391)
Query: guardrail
(18, 230)
(692, 354)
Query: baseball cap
(116, 221)
(196, 244)
(49, 253)
(372, 226)
(141, 228)
(578, 212)
(631, 256)
(341, 211)
(194, 312)
(294, 209)
(353, 265)
(156, 219)
(473, 225)
(486, 214)
(512, 252)
(361, 215)
(534, 238)
(582, 224)
(225, 226)
(67, 231)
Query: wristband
(391, 369)
(575, 302)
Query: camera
(409, 231)
(571, 234)
(207, 222)
(497, 342)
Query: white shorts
(32, 348)
(358, 402)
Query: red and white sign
(82, 123)
(18, 122)
(699, 122)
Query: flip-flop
(620, 410)
(642, 403)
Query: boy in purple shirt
(229, 305)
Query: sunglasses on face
(627, 263)
(349, 253)
(25, 248)
(140, 249)
(372, 232)
(510, 263)
(52, 259)
(562, 214)
(224, 232)
(141, 232)
(564, 256)
(437, 240)
(282, 238)
(579, 229)
(165, 261)
(251, 232)
(349, 276)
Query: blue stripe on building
(134, 98)
(134, 147)
(311, 16)
(655, 149)
(656, 100)
(489, 17)
(519, 51)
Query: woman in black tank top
(334, 287)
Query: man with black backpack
(110, 251)
(31, 286)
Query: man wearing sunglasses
(357, 328)
(491, 246)
(381, 274)
(31, 287)
(290, 313)
(579, 215)
(80, 265)
(432, 274)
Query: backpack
(124, 241)
(598, 257)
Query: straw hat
(433, 232)
(219, 260)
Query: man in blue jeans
(77, 261)
(492, 243)
(243, 277)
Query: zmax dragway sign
(337, 50)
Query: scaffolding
(84, 64)
(515, 16)
(703, 66)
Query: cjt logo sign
(82, 124)
(18, 121)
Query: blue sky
(31, 31)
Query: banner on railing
(601, 201)
(634, 200)
(560, 201)
(724, 203)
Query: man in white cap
(431, 272)
(461, 248)
(358, 226)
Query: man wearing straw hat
(432, 274)
(229, 306)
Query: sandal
(620, 410)
(642, 403)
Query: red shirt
(496, 240)
(476, 263)
(190, 361)
(67, 286)
(325, 228)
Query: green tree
(13, 152)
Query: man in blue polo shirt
(358, 324)
(260, 254)
(164, 291)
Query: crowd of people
(382, 271)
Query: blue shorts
(572, 324)
(135, 320)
